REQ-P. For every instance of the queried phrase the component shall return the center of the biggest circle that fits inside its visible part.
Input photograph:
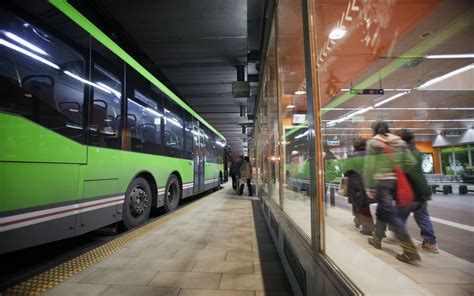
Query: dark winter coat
(417, 179)
(354, 166)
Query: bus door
(198, 159)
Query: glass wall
(282, 132)
(293, 113)
(407, 65)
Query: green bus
(298, 161)
(88, 136)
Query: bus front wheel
(137, 204)
(172, 193)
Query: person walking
(381, 182)
(422, 194)
(246, 174)
(356, 194)
(235, 170)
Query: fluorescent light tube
(446, 76)
(28, 53)
(390, 99)
(25, 43)
(117, 93)
(450, 56)
(87, 81)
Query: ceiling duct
(240, 88)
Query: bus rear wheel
(172, 193)
(137, 204)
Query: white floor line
(453, 224)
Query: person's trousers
(422, 219)
(234, 181)
(249, 187)
(363, 217)
(387, 213)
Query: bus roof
(95, 32)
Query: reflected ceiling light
(25, 43)
(390, 99)
(290, 106)
(28, 53)
(87, 82)
(337, 33)
(300, 92)
(117, 93)
(402, 120)
(385, 89)
(450, 56)
(220, 143)
(446, 76)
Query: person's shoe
(356, 223)
(433, 248)
(366, 232)
(409, 258)
(375, 242)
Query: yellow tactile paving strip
(51, 278)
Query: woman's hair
(380, 127)
(360, 144)
(406, 135)
(247, 158)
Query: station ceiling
(196, 46)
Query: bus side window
(41, 77)
(173, 129)
(188, 136)
(145, 134)
(106, 105)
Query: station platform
(218, 245)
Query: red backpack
(404, 194)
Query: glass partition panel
(293, 114)
(395, 86)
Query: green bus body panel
(24, 140)
(212, 170)
(36, 167)
(26, 185)
(107, 164)
(89, 27)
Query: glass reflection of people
(356, 190)
(422, 194)
(380, 179)
(246, 176)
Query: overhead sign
(453, 133)
(333, 142)
(299, 118)
(367, 91)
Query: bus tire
(172, 193)
(137, 204)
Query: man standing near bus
(246, 174)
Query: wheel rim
(138, 201)
(171, 193)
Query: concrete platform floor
(220, 247)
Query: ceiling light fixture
(300, 92)
(446, 76)
(337, 33)
(290, 106)
(450, 56)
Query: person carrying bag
(387, 155)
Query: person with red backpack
(386, 155)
